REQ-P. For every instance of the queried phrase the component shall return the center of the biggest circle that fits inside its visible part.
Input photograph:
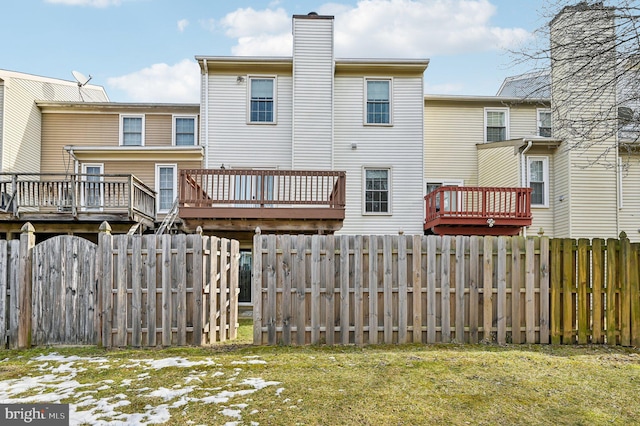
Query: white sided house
(308, 143)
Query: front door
(92, 197)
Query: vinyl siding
(313, 93)
(498, 167)
(398, 147)
(158, 130)
(1, 120)
(452, 131)
(22, 121)
(589, 167)
(523, 121)
(630, 211)
(235, 143)
(543, 217)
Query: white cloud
(381, 28)
(251, 23)
(92, 3)
(182, 24)
(161, 83)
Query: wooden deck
(274, 200)
(74, 199)
(457, 210)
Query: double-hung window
(496, 128)
(544, 123)
(132, 130)
(377, 193)
(378, 101)
(184, 130)
(262, 99)
(166, 186)
(538, 180)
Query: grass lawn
(238, 384)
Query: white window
(132, 130)
(544, 123)
(496, 124)
(185, 130)
(538, 180)
(262, 100)
(378, 101)
(166, 186)
(377, 191)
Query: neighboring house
(489, 143)
(20, 118)
(522, 138)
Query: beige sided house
(520, 138)
(101, 161)
(486, 150)
(307, 144)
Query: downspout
(206, 114)
(523, 175)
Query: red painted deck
(458, 210)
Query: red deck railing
(478, 206)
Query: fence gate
(64, 292)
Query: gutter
(206, 113)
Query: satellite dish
(80, 78)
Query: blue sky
(143, 50)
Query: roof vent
(312, 14)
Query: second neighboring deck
(457, 210)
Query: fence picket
(416, 260)
(387, 288)
(516, 285)
(544, 290)
(461, 244)
(373, 289)
(284, 268)
(597, 284)
(358, 290)
(402, 290)
(530, 295)
(474, 271)
(345, 278)
(431, 288)
(136, 291)
(487, 289)
(151, 271)
(634, 295)
(583, 291)
(330, 275)
(502, 290)
(445, 288)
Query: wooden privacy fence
(430, 289)
(128, 290)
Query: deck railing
(262, 188)
(75, 193)
(479, 203)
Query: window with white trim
(448, 202)
(166, 186)
(184, 130)
(496, 124)
(132, 130)
(378, 101)
(544, 123)
(262, 100)
(377, 192)
(538, 180)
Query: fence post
(257, 288)
(27, 241)
(105, 283)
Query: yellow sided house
(98, 161)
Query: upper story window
(184, 130)
(132, 130)
(538, 180)
(262, 99)
(377, 193)
(544, 123)
(496, 124)
(378, 102)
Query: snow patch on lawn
(58, 382)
